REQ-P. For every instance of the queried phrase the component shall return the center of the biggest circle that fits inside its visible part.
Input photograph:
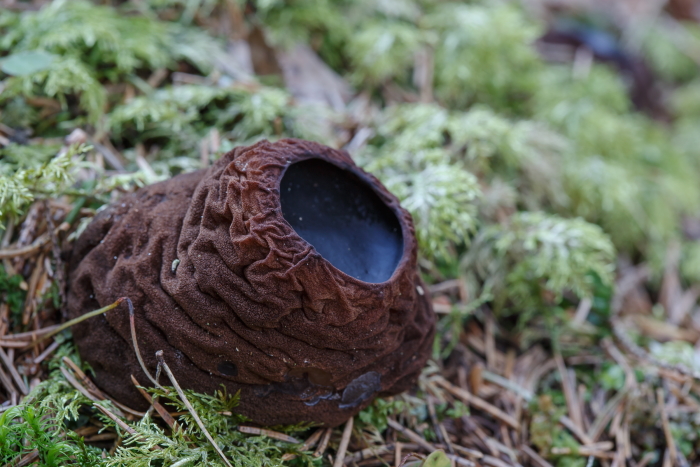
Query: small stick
(161, 363)
(344, 441)
(667, 427)
(324, 442)
(251, 430)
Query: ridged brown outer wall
(251, 305)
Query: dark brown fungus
(283, 272)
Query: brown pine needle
(164, 414)
(324, 442)
(42, 334)
(478, 403)
(344, 441)
(13, 372)
(308, 444)
(164, 366)
(74, 382)
(670, 443)
(121, 423)
(132, 325)
(252, 430)
(410, 434)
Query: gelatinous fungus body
(283, 272)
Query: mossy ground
(555, 191)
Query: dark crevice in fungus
(237, 293)
(343, 218)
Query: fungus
(284, 272)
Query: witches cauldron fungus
(284, 272)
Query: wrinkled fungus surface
(283, 272)
(343, 218)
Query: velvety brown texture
(250, 305)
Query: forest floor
(555, 189)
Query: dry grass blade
(183, 397)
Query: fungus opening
(342, 217)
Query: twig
(344, 441)
(162, 364)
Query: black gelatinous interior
(343, 218)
